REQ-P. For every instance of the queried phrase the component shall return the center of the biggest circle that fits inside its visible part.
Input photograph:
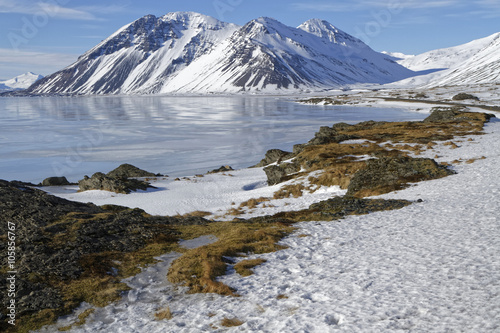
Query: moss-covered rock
(389, 174)
(129, 171)
(100, 181)
(65, 251)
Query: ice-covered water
(74, 136)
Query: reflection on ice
(73, 136)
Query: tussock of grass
(98, 291)
(452, 144)
(82, 318)
(27, 324)
(197, 213)
(253, 203)
(244, 268)
(198, 268)
(163, 314)
(472, 160)
(295, 190)
(233, 322)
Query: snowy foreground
(430, 267)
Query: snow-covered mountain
(23, 81)
(187, 52)
(476, 62)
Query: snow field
(214, 193)
(430, 267)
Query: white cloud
(13, 63)
(347, 6)
(52, 9)
(56, 9)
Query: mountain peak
(191, 52)
(326, 30)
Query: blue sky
(44, 36)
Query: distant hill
(476, 62)
(20, 82)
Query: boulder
(274, 155)
(100, 181)
(275, 174)
(330, 135)
(55, 181)
(129, 171)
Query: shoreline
(232, 279)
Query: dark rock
(464, 96)
(55, 181)
(100, 181)
(274, 155)
(328, 135)
(222, 169)
(298, 148)
(129, 171)
(290, 168)
(275, 174)
(39, 299)
(278, 173)
(393, 173)
(339, 207)
(55, 238)
(332, 209)
(444, 114)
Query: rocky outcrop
(454, 114)
(100, 181)
(273, 156)
(55, 181)
(332, 209)
(339, 207)
(60, 242)
(130, 171)
(389, 174)
(278, 173)
(329, 135)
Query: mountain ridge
(20, 82)
(475, 62)
(187, 52)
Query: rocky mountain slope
(193, 53)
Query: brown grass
(282, 296)
(197, 213)
(233, 322)
(339, 161)
(452, 144)
(163, 314)
(82, 318)
(198, 268)
(244, 268)
(472, 160)
(295, 190)
(253, 203)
